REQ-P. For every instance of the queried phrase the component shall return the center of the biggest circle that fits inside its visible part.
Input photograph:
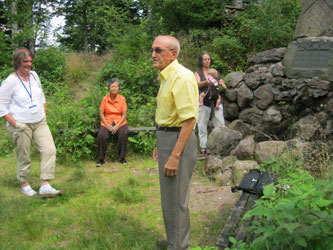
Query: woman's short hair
(112, 81)
(200, 59)
(19, 55)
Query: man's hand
(171, 167)
(155, 157)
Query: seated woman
(112, 112)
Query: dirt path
(209, 197)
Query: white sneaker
(47, 191)
(28, 191)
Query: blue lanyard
(30, 94)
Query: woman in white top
(22, 104)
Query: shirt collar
(168, 70)
(115, 100)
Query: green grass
(112, 207)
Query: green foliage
(73, 127)
(296, 214)
(5, 71)
(184, 15)
(6, 147)
(265, 25)
(206, 248)
(49, 63)
(6, 50)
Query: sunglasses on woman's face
(159, 50)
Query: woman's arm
(200, 83)
(102, 116)
(11, 120)
(123, 117)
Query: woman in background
(207, 109)
(112, 112)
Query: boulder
(268, 56)
(306, 128)
(233, 79)
(240, 168)
(242, 127)
(263, 96)
(265, 150)
(244, 96)
(245, 149)
(222, 140)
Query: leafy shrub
(73, 127)
(297, 214)
(6, 50)
(4, 72)
(49, 63)
(265, 25)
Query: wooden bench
(134, 129)
(235, 226)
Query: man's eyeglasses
(159, 50)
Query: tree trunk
(85, 32)
(14, 28)
(32, 40)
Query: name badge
(33, 109)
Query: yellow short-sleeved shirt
(177, 98)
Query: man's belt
(168, 129)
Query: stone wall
(267, 115)
(266, 99)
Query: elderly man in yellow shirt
(176, 116)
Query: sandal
(203, 151)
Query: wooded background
(104, 39)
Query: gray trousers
(203, 119)
(175, 191)
(22, 136)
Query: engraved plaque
(311, 59)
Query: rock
(242, 127)
(224, 176)
(222, 140)
(231, 94)
(264, 97)
(265, 150)
(306, 128)
(230, 110)
(213, 165)
(268, 56)
(245, 149)
(233, 79)
(277, 69)
(240, 168)
(252, 79)
(316, 19)
(244, 96)
(273, 115)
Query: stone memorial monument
(311, 52)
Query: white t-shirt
(25, 104)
